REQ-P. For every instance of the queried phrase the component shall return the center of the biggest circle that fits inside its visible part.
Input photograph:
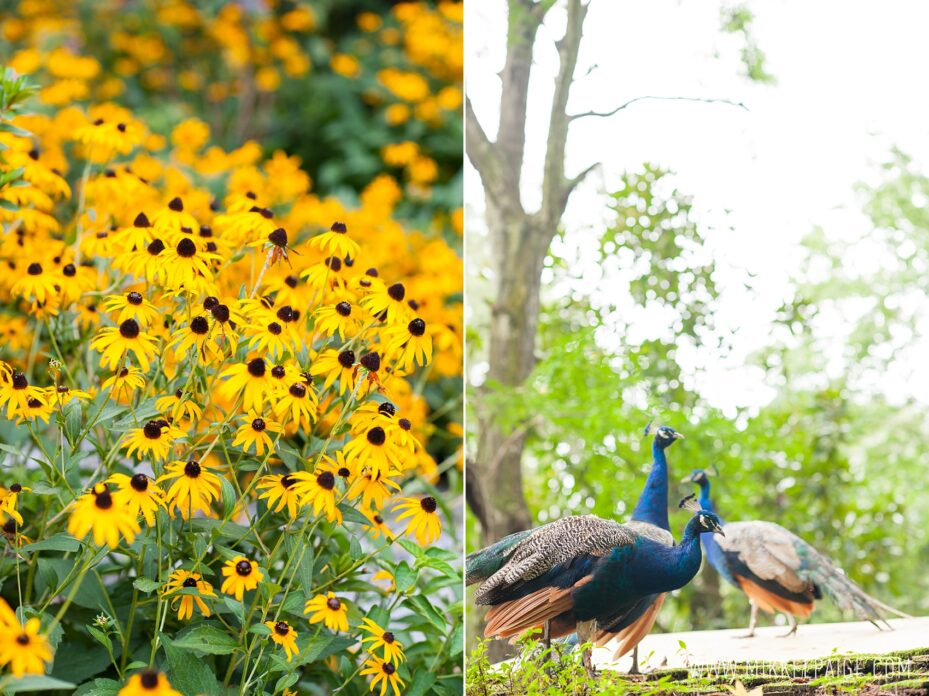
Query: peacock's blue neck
(714, 554)
(653, 503)
(664, 568)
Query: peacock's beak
(678, 436)
(719, 530)
(687, 479)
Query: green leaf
(101, 637)
(286, 682)
(187, 672)
(73, 422)
(410, 547)
(259, 629)
(229, 496)
(350, 514)
(236, 607)
(36, 683)
(428, 612)
(146, 585)
(354, 549)
(421, 683)
(206, 638)
(57, 542)
(99, 687)
(404, 577)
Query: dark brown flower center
(220, 313)
(129, 329)
(281, 628)
(134, 298)
(387, 409)
(156, 247)
(287, 481)
(339, 227)
(258, 425)
(243, 568)
(333, 604)
(16, 488)
(278, 237)
(177, 205)
(274, 328)
(190, 582)
(285, 314)
(192, 469)
(377, 436)
(34, 269)
(334, 263)
(139, 482)
(103, 499)
(326, 481)
(344, 309)
(152, 430)
(371, 361)
(20, 381)
(278, 371)
(297, 390)
(141, 221)
(149, 679)
(34, 403)
(291, 281)
(428, 504)
(347, 358)
(23, 639)
(378, 519)
(209, 303)
(186, 248)
(256, 367)
(372, 272)
(121, 127)
(397, 292)
(388, 637)
(9, 527)
(417, 327)
(405, 423)
(69, 271)
(388, 668)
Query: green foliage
(738, 19)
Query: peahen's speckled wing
(556, 543)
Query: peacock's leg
(635, 661)
(793, 626)
(585, 630)
(547, 636)
(752, 622)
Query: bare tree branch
(703, 100)
(479, 147)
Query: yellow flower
(335, 242)
(379, 638)
(132, 306)
(284, 634)
(335, 365)
(385, 673)
(114, 343)
(330, 610)
(251, 379)
(124, 382)
(411, 344)
(148, 683)
(345, 65)
(255, 432)
(337, 319)
(184, 579)
(373, 488)
(374, 451)
(299, 402)
(16, 392)
(193, 489)
(241, 575)
(424, 522)
(280, 492)
(389, 304)
(23, 648)
(156, 438)
(139, 495)
(106, 515)
(35, 285)
(318, 489)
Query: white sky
(850, 83)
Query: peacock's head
(700, 476)
(703, 520)
(664, 435)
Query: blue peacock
(586, 574)
(779, 571)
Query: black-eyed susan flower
(154, 439)
(241, 575)
(194, 487)
(374, 450)
(255, 433)
(115, 342)
(388, 304)
(297, 404)
(284, 635)
(180, 406)
(381, 639)
(328, 609)
(148, 683)
(36, 409)
(318, 489)
(139, 494)
(335, 242)
(326, 274)
(124, 382)
(61, 394)
(251, 379)
(374, 488)
(334, 365)
(185, 266)
(16, 393)
(383, 673)
(280, 491)
(132, 305)
(37, 284)
(270, 338)
(187, 580)
(8, 498)
(200, 334)
(22, 648)
(337, 319)
(423, 522)
(378, 526)
(106, 515)
(409, 345)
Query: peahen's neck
(653, 503)
(705, 502)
